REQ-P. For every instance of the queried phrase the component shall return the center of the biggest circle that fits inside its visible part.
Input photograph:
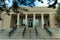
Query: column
(26, 21)
(33, 20)
(42, 18)
(18, 16)
(51, 20)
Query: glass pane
(37, 22)
(44, 21)
(23, 21)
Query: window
(23, 22)
(37, 22)
(44, 21)
(0, 16)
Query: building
(36, 16)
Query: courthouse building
(36, 16)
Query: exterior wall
(1, 21)
(53, 22)
(6, 21)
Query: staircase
(18, 34)
(4, 33)
(30, 33)
(56, 32)
(42, 33)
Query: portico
(34, 17)
(31, 20)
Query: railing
(36, 31)
(24, 31)
(12, 31)
(48, 31)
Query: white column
(18, 20)
(26, 21)
(42, 18)
(33, 20)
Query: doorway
(30, 23)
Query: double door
(30, 23)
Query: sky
(44, 4)
(37, 3)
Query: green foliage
(15, 8)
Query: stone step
(18, 34)
(56, 32)
(4, 34)
(32, 39)
(42, 34)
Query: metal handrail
(36, 31)
(12, 31)
(24, 31)
(48, 31)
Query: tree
(15, 6)
(53, 5)
(3, 7)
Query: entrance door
(30, 23)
